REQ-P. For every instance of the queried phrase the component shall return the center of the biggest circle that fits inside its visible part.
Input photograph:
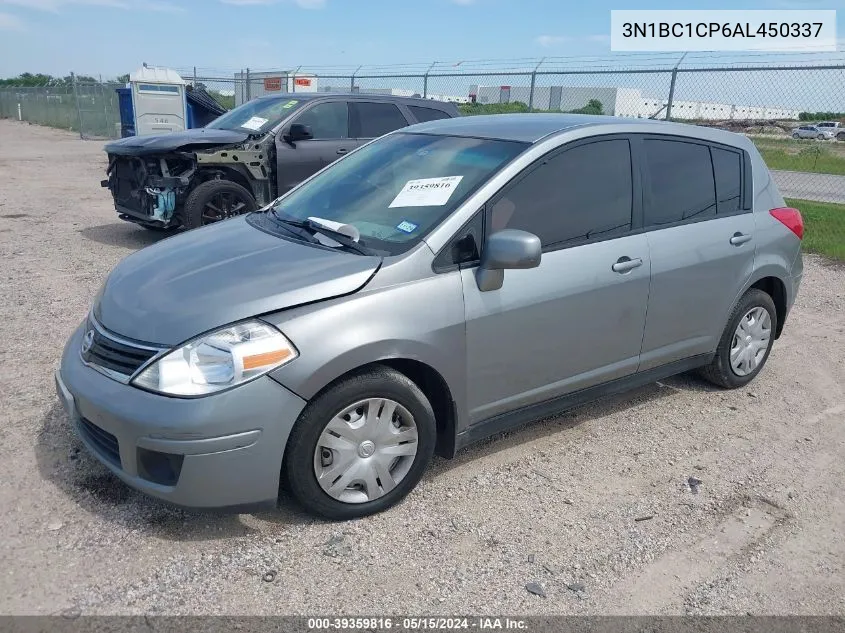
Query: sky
(112, 37)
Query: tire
(301, 460)
(840, 136)
(228, 197)
(820, 137)
(720, 371)
(796, 136)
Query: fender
(395, 322)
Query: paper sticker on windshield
(407, 227)
(255, 123)
(426, 192)
(290, 104)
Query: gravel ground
(594, 506)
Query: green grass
(808, 156)
(824, 227)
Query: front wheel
(796, 135)
(361, 446)
(746, 342)
(216, 200)
(820, 137)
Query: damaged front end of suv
(190, 178)
(199, 176)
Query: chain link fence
(89, 109)
(779, 106)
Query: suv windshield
(398, 188)
(256, 117)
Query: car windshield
(398, 188)
(256, 117)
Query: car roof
(531, 128)
(364, 96)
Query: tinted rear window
(371, 120)
(681, 182)
(427, 114)
(727, 166)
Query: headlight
(227, 357)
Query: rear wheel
(795, 135)
(217, 200)
(820, 137)
(361, 446)
(746, 341)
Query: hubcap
(366, 450)
(750, 341)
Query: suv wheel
(745, 343)
(216, 200)
(361, 446)
(796, 135)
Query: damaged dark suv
(250, 156)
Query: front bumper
(216, 451)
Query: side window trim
(438, 266)
(747, 185)
(636, 185)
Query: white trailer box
(159, 102)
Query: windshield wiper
(341, 238)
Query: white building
(625, 102)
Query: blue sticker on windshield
(407, 227)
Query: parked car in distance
(249, 156)
(813, 131)
(439, 285)
(835, 127)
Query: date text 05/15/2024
(416, 624)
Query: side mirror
(298, 132)
(506, 249)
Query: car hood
(200, 138)
(191, 283)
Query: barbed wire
(605, 62)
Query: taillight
(791, 219)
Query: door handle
(739, 239)
(626, 264)
(342, 150)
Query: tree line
(821, 116)
(40, 80)
(594, 106)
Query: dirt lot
(594, 505)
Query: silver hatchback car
(441, 284)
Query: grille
(126, 186)
(105, 443)
(108, 353)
